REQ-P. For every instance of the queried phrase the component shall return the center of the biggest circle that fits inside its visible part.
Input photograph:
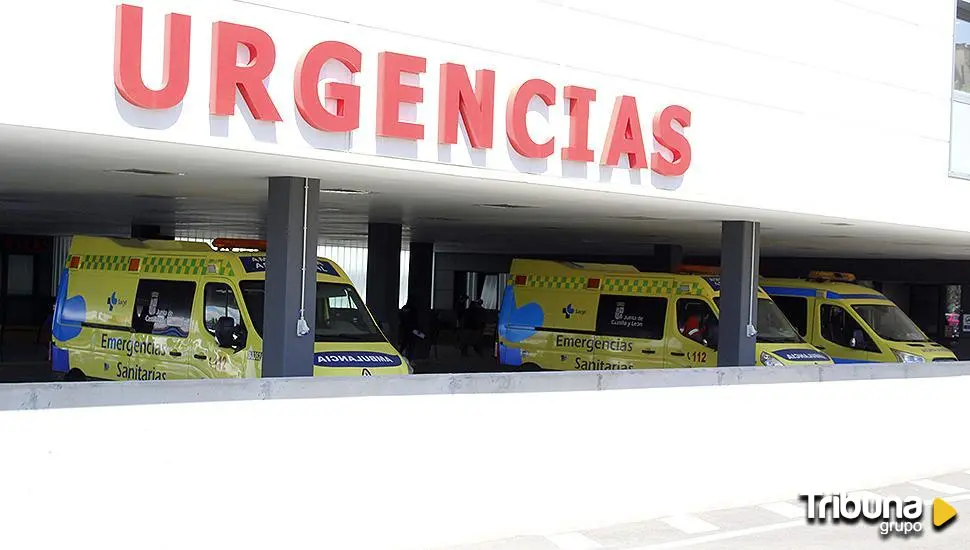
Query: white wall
(416, 471)
(837, 108)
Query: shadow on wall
(537, 108)
(261, 130)
(478, 157)
(144, 118)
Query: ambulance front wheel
(75, 375)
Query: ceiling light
(340, 191)
(641, 218)
(838, 224)
(145, 172)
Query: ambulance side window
(796, 309)
(632, 317)
(163, 308)
(840, 328)
(695, 319)
(220, 302)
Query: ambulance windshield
(340, 313)
(773, 327)
(890, 323)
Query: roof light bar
(228, 244)
(840, 276)
(699, 270)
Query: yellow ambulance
(129, 309)
(851, 322)
(572, 316)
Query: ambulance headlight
(770, 360)
(904, 357)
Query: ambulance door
(161, 323)
(630, 330)
(842, 336)
(219, 349)
(691, 345)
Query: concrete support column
(740, 251)
(668, 257)
(384, 273)
(285, 352)
(421, 275)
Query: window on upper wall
(961, 56)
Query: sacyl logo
(113, 301)
(569, 311)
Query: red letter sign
(227, 75)
(307, 79)
(391, 93)
(455, 94)
(515, 118)
(624, 136)
(579, 100)
(674, 141)
(175, 74)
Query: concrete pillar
(384, 273)
(156, 232)
(421, 275)
(285, 352)
(740, 251)
(668, 257)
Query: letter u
(128, 53)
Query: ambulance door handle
(200, 356)
(648, 351)
(174, 353)
(677, 354)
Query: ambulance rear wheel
(75, 375)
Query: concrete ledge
(100, 394)
(414, 463)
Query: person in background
(409, 331)
(472, 327)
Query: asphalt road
(773, 526)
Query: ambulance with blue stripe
(130, 309)
(588, 316)
(851, 322)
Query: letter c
(516, 126)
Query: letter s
(118, 374)
(673, 141)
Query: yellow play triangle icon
(943, 512)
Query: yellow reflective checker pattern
(651, 287)
(100, 262)
(563, 282)
(171, 265)
(220, 267)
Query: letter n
(477, 107)
(128, 54)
